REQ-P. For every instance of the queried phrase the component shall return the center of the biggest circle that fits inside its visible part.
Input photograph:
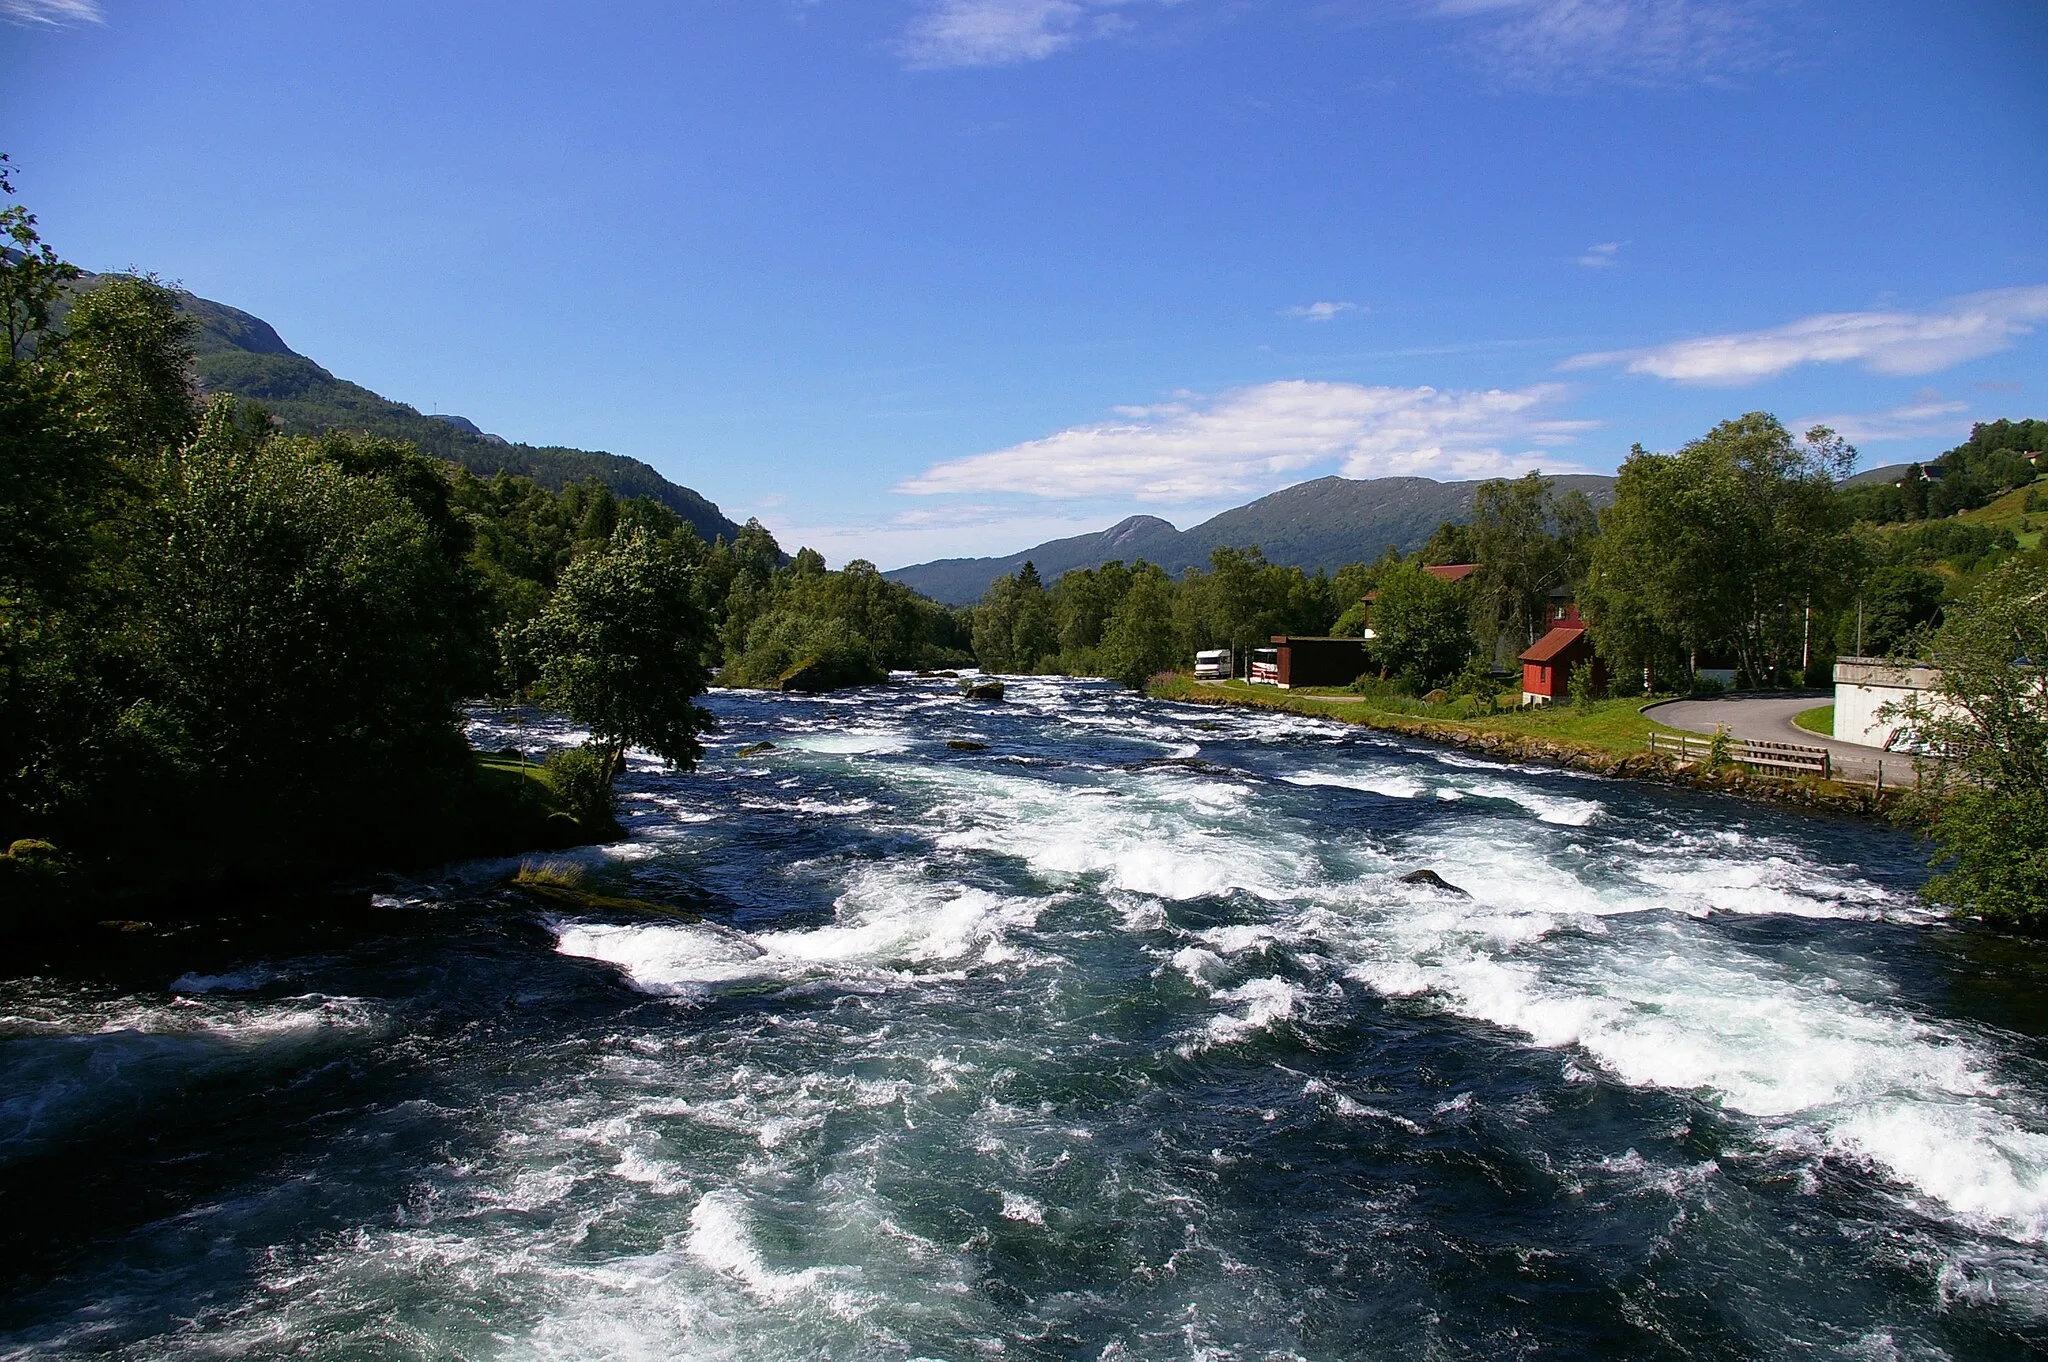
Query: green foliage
(32, 278)
(1896, 604)
(620, 648)
(578, 777)
(1984, 797)
(1526, 540)
(1138, 640)
(789, 650)
(1719, 547)
(804, 627)
(1422, 627)
(1013, 627)
(1957, 543)
(1242, 601)
(1580, 685)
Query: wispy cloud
(51, 12)
(1601, 255)
(1552, 44)
(1916, 420)
(1255, 439)
(1319, 312)
(992, 32)
(1890, 342)
(1521, 44)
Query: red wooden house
(1547, 664)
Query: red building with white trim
(1547, 664)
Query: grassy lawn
(1614, 727)
(1820, 719)
(2009, 512)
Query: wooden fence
(1772, 758)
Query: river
(1119, 1037)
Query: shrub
(553, 873)
(577, 776)
(1580, 686)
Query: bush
(577, 777)
(815, 654)
(1706, 685)
(1580, 686)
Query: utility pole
(1859, 626)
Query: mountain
(235, 352)
(1321, 524)
(1891, 472)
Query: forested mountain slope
(1321, 524)
(235, 352)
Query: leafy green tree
(1242, 601)
(1451, 542)
(1985, 799)
(1422, 627)
(1722, 545)
(124, 358)
(32, 277)
(291, 617)
(1138, 639)
(1526, 540)
(620, 648)
(1014, 630)
(1896, 603)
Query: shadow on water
(207, 1127)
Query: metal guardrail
(1768, 757)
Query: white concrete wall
(1863, 686)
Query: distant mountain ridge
(240, 353)
(1324, 524)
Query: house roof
(1547, 648)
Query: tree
(1894, 605)
(1422, 627)
(1721, 546)
(32, 277)
(125, 360)
(1984, 798)
(1014, 630)
(620, 648)
(1526, 541)
(1138, 639)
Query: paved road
(1768, 718)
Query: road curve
(1767, 717)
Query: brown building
(1299, 661)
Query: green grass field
(1614, 728)
(1820, 719)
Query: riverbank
(1608, 738)
(496, 804)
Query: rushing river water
(1120, 1038)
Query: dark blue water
(1118, 1038)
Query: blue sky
(912, 278)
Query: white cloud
(1916, 420)
(1320, 312)
(1255, 439)
(51, 12)
(1883, 342)
(992, 32)
(1600, 256)
(1549, 44)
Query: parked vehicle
(1213, 663)
(1266, 666)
